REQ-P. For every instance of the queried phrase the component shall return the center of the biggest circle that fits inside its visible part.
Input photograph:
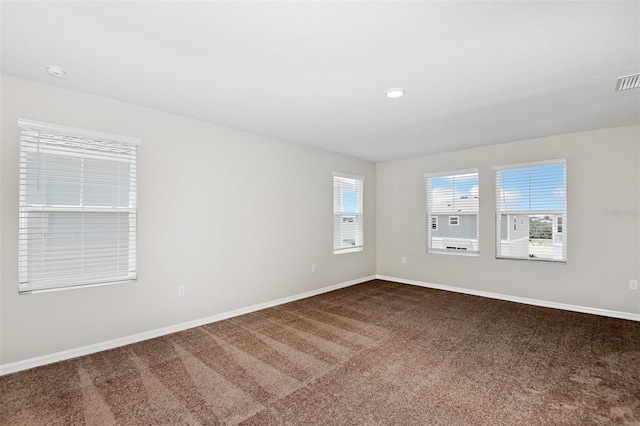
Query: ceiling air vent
(628, 82)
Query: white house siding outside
(448, 235)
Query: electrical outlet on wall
(633, 284)
(182, 289)
(314, 267)
(404, 259)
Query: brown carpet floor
(377, 353)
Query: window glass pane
(455, 193)
(52, 179)
(106, 183)
(539, 188)
(77, 256)
(349, 200)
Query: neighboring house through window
(452, 206)
(77, 208)
(348, 225)
(533, 197)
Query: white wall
(237, 217)
(603, 251)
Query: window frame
(339, 213)
(472, 245)
(558, 214)
(53, 141)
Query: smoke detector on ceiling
(56, 71)
(628, 82)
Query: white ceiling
(316, 73)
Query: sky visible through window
(349, 201)
(539, 188)
(463, 185)
(454, 193)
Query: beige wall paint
(603, 252)
(237, 217)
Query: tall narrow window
(348, 229)
(452, 203)
(534, 196)
(77, 207)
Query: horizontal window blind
(348, 225)
(531, 211)
(77, 207)
(453, 212)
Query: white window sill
(348, 250)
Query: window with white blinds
(531, 211)
(348, 226)
(452, 212)
(77, 218)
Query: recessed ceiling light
(56, 71)
(396, 92)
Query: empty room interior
(266, 213)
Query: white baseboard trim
(26, 364)
(525, 300)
